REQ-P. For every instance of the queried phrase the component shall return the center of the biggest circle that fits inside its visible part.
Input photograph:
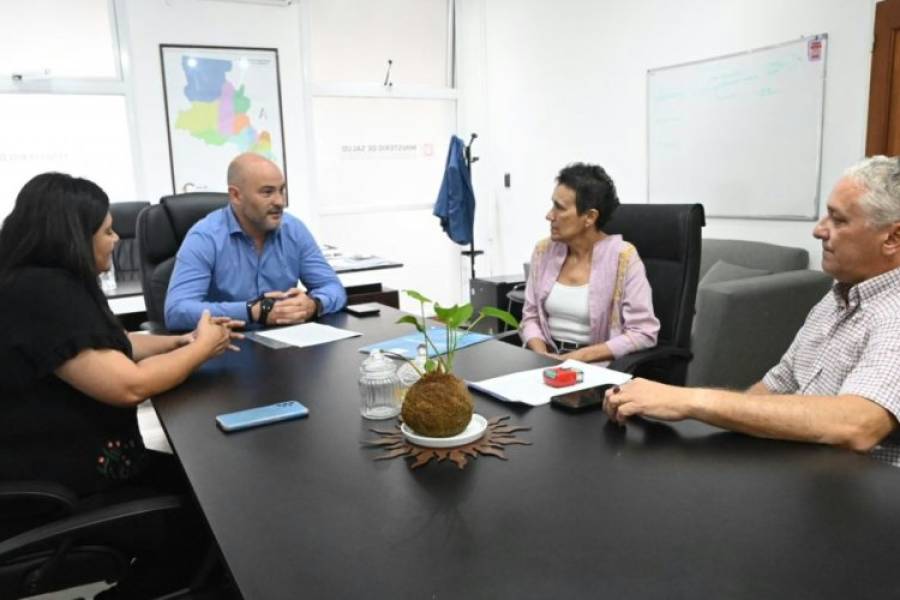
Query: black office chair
(160, 230)
(51, 541)
(126, 261)
(515, 298)
(668, 240)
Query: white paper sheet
(127, 305)
(528, 387)
(307, 334)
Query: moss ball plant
(438, 405)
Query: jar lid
(378, 363)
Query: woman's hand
(216, 333)
(231, 324)
(587, 354)
(582, 354)
(185, 339)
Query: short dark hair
(593, 188)
(52, 225)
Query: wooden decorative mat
(496, 436)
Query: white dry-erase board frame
(741, 133)
(220, 101)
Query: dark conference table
(300, 509)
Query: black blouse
(48, 429)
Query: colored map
(219, 113)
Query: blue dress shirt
(218, 268)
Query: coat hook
(387, 76)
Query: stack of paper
(307, 334)
(528, 387)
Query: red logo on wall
(814, 49)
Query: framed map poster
(220, 102)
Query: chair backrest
(160, 230)
(753, 255)
(124, 221)
(668, 240)
(53, 540)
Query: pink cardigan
(619, 296)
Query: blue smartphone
(261, 415)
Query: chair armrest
(743, 327)
(510, 337)
(30, 491)
(631, 362)
(517, 293)
(81, 522)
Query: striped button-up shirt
(849, 345)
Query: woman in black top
(70, 377)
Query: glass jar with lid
(379, 387)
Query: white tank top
(568, 314)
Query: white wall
(199, 22)
(543, 83)
(566, 81)
(153, 22)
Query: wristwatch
(318, 306)
(265, 307)
(250, 304)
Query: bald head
(245, 164)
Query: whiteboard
(741, 134)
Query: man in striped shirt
(839, 382)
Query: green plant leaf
(430, 365)
(465, 312)
(417, 296)
(490, 311)
(444, 315)
(454, 316)
(412, 321)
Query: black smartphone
(366, 309)
(579, 400)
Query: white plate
(475, 429)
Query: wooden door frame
(887, 20)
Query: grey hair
(880, 175)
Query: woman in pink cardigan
(587, 295)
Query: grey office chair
(160, 230)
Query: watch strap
(265, 307)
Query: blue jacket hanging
(455, 204)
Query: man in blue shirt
(244, 260)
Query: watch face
(265, 307)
